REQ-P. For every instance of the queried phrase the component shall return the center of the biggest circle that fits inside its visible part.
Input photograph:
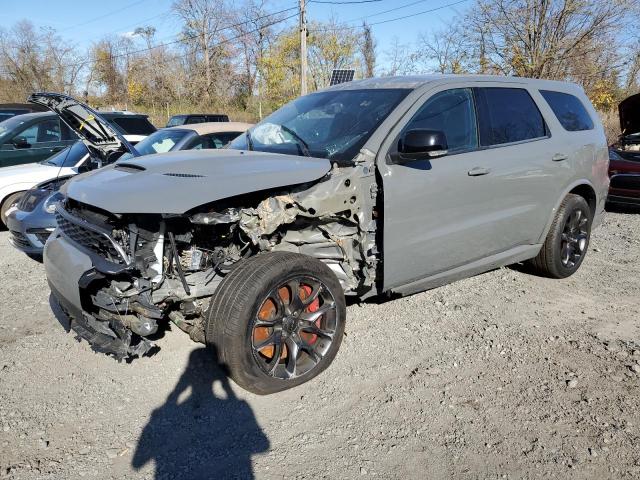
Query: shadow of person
(197, 434)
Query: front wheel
(567, 242)
(276, 321)
(11, 201)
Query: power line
(252, 20)
(442, 7)
(103, 16)
(389, 10)
(344, 3)
(353, 27)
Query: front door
(445, 212)
(34, 143)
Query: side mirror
(420, 144)
(20, 142)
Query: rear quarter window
(508, 115)
(569, 111)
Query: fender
(565, 192)
(15, 188)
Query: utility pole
(303, 48)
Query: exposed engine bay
(153, 268)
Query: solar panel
(341, 76)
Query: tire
(555, 259)
(252, 325)
(11, 200)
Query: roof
(199, 115)
(23, 106)
(33, 115)
(214, 127)
(110, 113)
(416, 81)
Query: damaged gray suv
(379, 186)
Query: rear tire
(10, 201)
(567, 242)
(276, 321)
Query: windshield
(69, 157)
(159, 142)
(176, 120)
(9, 125)
(333, 125)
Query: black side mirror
(420, 144)
(20, 142)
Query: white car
(16, 180)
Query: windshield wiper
(249, 141)
(303, 144)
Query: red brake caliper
(305, 291)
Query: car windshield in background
(10, 124)
(176, 120)
(158, 142)
(133, 125)
(332, 125)
(69, 157)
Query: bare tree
(545, 38)
(443, 51)
(33, 60)
(203, 32)
(368, 46)
(401, 60)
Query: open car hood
(102, 140)
(629, 110)
(176, 182)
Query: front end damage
(151, 269)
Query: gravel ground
(504, 375)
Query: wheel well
(588, 193)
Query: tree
(400, 59)
(36, 60)
(368, 46)
(545, 38)
(331, 46)
(443, 51)
(204, 34)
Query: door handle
(477, 171)
(559, 157)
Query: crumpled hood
(176, 182)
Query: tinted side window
(192, 120)
(134, 125)
(507, 115)
(49, 131)
(452, 113)
(569, 110)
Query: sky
(82, 23)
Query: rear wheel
(9, 202)
(276, 321)
(567, 241)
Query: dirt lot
(504, 375)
